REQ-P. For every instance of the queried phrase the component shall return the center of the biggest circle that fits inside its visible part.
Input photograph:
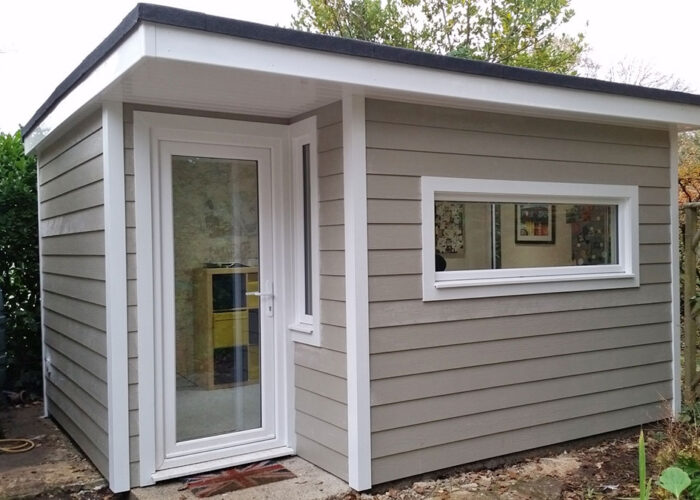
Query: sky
(42, 41)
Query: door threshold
(187, 470)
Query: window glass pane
(477, 235)
(306, 167)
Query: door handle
(268, 303)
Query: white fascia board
(364, 75)
(136, 46)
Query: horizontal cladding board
(385, 161)
(480, 448)
(322, 384)
(654, 254)
(409, 212)
(77, 414)
(133, 426)
(133, 397)
(332, 287)
(408, 413)
(330, 162)
(395, 441)
(129, 188)
(84, 312)
(130, 240)
(407, 187)
(87, 381)
(419, 336)
(321, 432)
(397, 364)
(82, 175)
(460, 119)
(409, 286)
(330, 188)
(88, 196)
(91, 338)
(92, 243)
(444, 140)
(330, 213)
(333, 312)
(331, 238)
(424, 385)
(128, 161)
(329, 114)
(332, 263)
(87, 149)
(327, 459)
(97, 457)
(89, 360)
(319, 359)
(93, 408)
(78, 266)
(391, 262)
(91, 219)
(75, 135)
(330, 137)
(325, 409)
(408, 312)
(333, 337)
(88, 290)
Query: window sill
(304, 333)
(505, 286)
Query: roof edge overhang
(151, 31)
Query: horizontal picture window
(492, 238)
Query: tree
(515, 32)
(19, 262)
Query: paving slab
(54, 467)
(311, 483)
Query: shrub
(19, 263)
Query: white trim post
(356, 292)
(675, 272)
(116, 302)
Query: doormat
(237, 478)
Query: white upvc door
(220, 353)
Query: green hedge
(19, 264)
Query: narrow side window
(305, 272)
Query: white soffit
(179, 67)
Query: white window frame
(304, 327)
(448, 285)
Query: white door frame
(149, 130)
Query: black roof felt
(254, 31)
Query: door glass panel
(217, 325)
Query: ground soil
(54, 468)
(603, 467)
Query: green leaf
(674, 480)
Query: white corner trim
(44, 351)
(144, 290)
(463, 284)
(357, 292)
(675, 272)
(116, 301)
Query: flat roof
(181, 18)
